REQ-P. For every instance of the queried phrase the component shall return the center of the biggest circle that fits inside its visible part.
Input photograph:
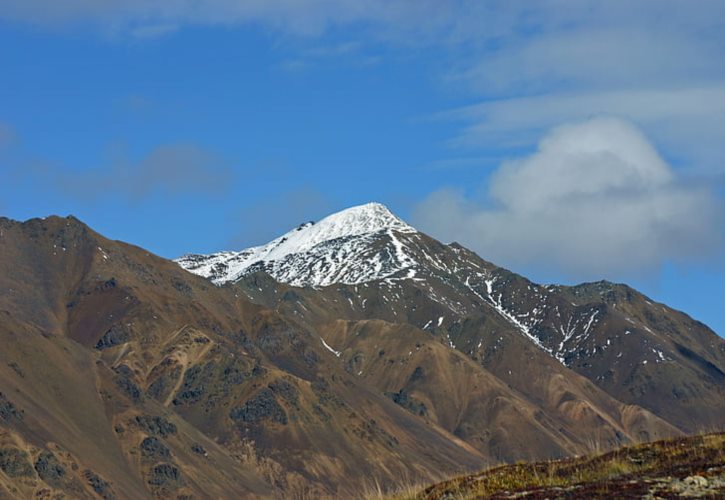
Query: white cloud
(311, 17)
(153, 30)
(597, 57)
(595, 200)
(175, 169)
(655, 63)
(538, 64)
(688, 121)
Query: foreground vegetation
(691, 466)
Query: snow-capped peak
(354, 221)
(310, 246)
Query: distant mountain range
(346, 353)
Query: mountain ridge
(169, 350)
(608, 332)
(334, 240)
(312, 391)
(386, 221)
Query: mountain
(358, 245)
(131, 378)
(348, 353)
(635, 350)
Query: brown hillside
(126, 376)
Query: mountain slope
(353, 246)
(637, 351)
(163, 383)
(125, 375)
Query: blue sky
(568, 141)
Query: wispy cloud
(347, 53)
(8, 136)
(532, 64)
(526, 68)
(153, 30)
(303, 18)
(595, 200)
(595, 57)
(687, 121)
(174, 169)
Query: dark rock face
(107, 285)
(164, 383)
(156, 426)
(235, 374)
(100, 486)
(285, 390)
(8, 411)
(165, 476)
(15, 463)
(209, 383)
(260, 407)
(125, 382)
(193, 387)
(116, 335)
(181, 286)
(418, 374)
(152, 447)
(49, 469)
(404, 399)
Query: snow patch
(338, 249)
(333, 351)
